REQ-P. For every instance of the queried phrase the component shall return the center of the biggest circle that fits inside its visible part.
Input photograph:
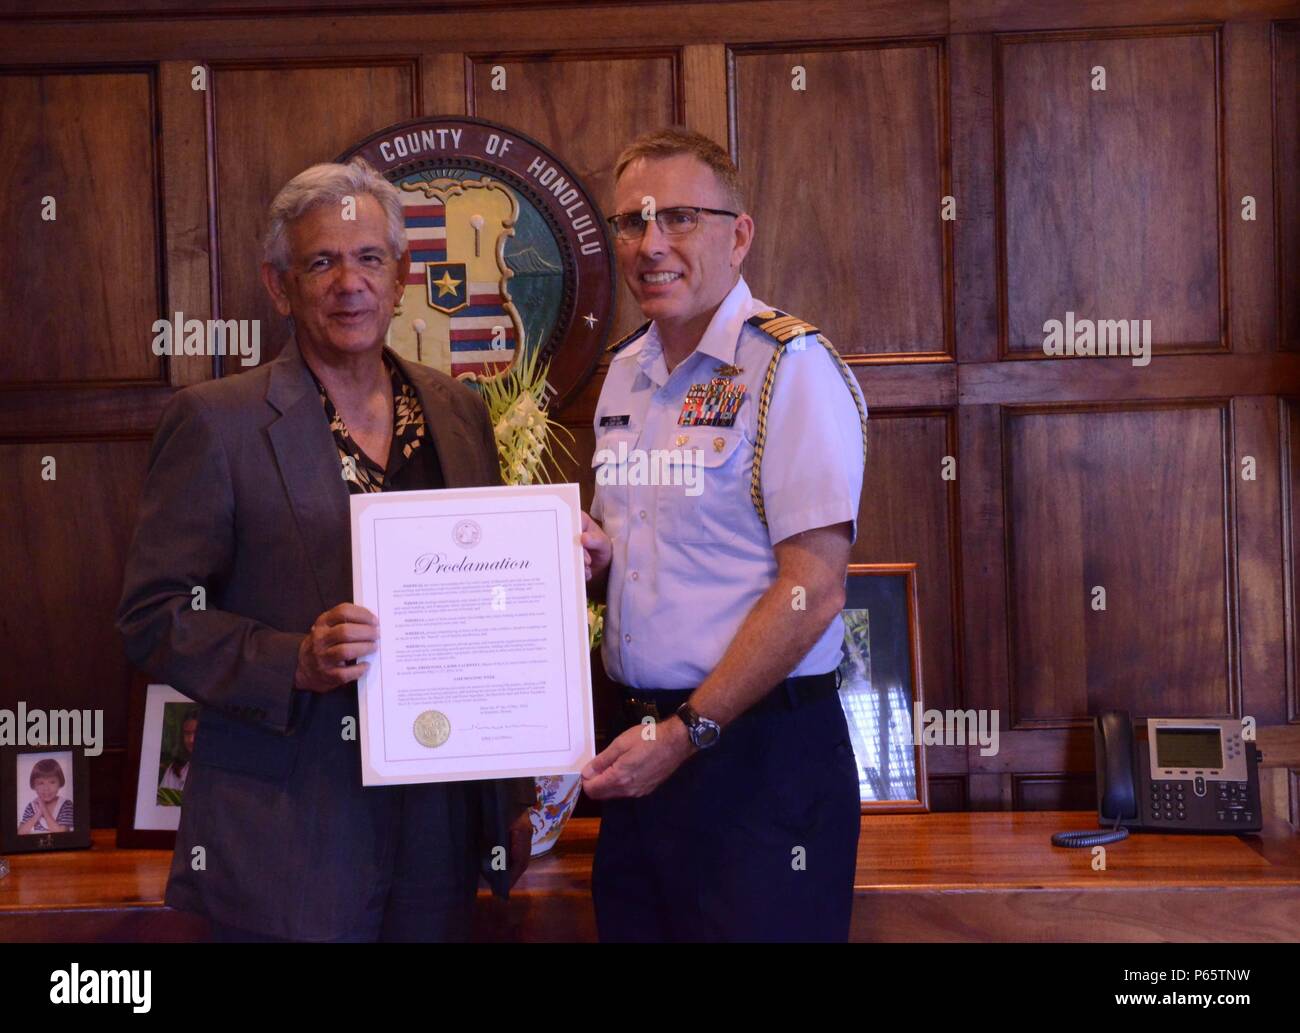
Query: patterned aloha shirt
(410, 445)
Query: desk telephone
(1175, 775)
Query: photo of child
(45, 793)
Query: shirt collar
(718, 342)
(396, 377)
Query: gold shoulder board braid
(783, 328)
(628, 338)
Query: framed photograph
(46, 799)
(163, 726)
(880, 685)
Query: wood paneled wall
(1071, 473)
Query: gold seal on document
(432, 728)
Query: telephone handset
(1174, 775)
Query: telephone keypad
(1168, 802)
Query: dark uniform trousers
(754, 839)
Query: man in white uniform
(730, 804)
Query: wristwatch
(703, 732)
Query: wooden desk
(938, 877)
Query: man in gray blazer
(238, 593)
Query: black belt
(790, 694)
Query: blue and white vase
(557, 795)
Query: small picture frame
(164, 723)
(880, 685)
(44, 799)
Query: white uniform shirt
(691, 558)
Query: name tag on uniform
(615, 421)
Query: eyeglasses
(673, 221)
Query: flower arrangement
(525, 435)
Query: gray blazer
(244, 498)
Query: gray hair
(330, 183)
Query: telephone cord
(1089, 838)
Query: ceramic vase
(557, 795)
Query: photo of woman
(50, 809)
(180, 730)
(169, 729)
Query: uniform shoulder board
(783, 328)
(623, 342)
(780, 326)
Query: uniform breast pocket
(703, 490)
(609, 464)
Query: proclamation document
(483, 668)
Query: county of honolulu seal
(510, 261)
(466, 533)
(432, 728)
